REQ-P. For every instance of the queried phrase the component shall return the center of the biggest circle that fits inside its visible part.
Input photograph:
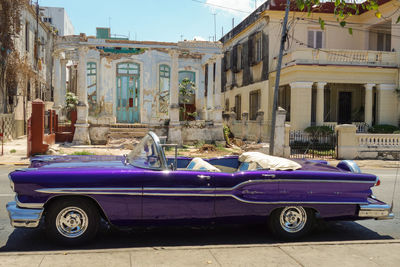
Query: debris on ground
(207, 148)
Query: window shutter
(319, 39)
(310, 39)
(225, 68)
(251, 49)
(232, 65)
(234, 58)
(265, 50)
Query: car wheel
(291, 222)
(72, 221)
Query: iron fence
(306, 145)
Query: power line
(223, 7)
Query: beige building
(329, 76)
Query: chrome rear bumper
(377, 212)
(25, 218)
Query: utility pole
(215, 27)
(278, 74)
(233, 23)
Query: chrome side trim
(26, 218)
(138, 190)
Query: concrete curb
(14, 164)
(277, 245)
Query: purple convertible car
(71, 194)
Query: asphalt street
(34, 239)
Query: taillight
(378, 182)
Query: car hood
(78, 162)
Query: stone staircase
(127, 131)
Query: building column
(300, 105)
(320, 103)
(174, 131)
(368, 103)
(57, 82)
(209, 100)
(81, 136)
(63, 80)
(218, 108)
(387, 104)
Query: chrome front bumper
(25, 218)
(377, 212)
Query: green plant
(383, 128)
(227, 135)
(82, 153)
(13, 151)
(315, 130)
(187, 89)
(199, 144)
(71, 101)
(396, 132)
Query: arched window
(92, 87)
(164, 87)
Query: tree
(10, 27)
(343, 9)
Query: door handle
(204, 177)
(269, 175)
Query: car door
(176, 195)
(246, 193)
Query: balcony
(308, 56)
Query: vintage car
(72, 194)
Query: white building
(58, 18)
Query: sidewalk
(15, 153)
(369, 253)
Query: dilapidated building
(124, 85)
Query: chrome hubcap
(72, 222)
(293, 219)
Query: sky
(156, 20)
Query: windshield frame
(160, 152)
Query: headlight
(11, 184)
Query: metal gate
(306, 145)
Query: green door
(128, 93)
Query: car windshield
(145, 154)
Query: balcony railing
(308, 56)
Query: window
(128, 69)
(27, 36)
(384, 41)
(254, 104)
(165, 77)
(315, 39)
(92, 86)
(238, 107)
(255, 48)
